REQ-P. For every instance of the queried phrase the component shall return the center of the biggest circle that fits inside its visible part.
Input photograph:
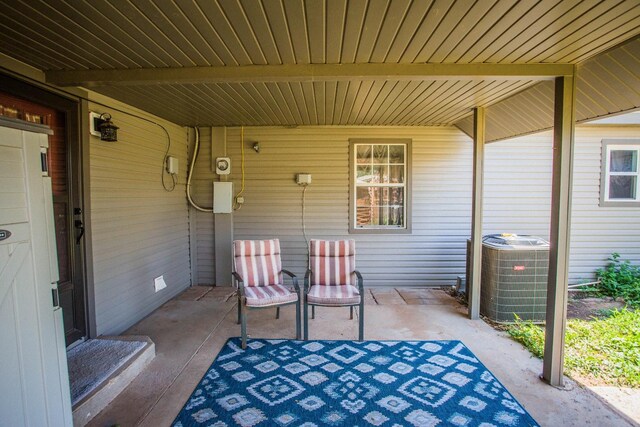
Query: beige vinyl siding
(139, 230)
(433, 254)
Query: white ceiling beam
(307, 73)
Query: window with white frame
(621, 177)
(379, 193)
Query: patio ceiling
(607, 84)
(232, 62)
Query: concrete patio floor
(190, 330)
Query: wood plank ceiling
(58, 35)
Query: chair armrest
(239, 282)
(294, 278)
(360, 280)
(307, 276)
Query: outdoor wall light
(256, 147)
(108, 131)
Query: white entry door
(34, 383)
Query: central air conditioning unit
(514, 277)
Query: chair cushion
(332, 262)
(333, 295)
(261, 296)
(258, 262)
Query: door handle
(79, 226)
(55, 297)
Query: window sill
(379, 230)
(619, 204)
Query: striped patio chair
(332, 280)
(259, 278)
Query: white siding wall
(517, 186)
(599, 231)
(140, 231)
(518, 197)
(432, 254)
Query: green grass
(606, 349)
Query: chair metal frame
(307, 287)
(242, 304)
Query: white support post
(476, 217)
(557, 287)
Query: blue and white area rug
(348, 383)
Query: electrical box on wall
(223, 165)
(222, 197)
(172, 165)
(303, 179)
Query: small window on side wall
(380, 190)
(620, 182)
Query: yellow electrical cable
(242, 155)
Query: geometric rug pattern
(349, 383)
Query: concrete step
(108, 389)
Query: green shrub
(620, 279)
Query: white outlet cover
(159, 283)
(92, 123)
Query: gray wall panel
(202, 194)
(517, 199)
(433, 254)
(139, 230)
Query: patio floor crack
(184, 366)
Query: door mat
(94, 361)
(350, 383)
